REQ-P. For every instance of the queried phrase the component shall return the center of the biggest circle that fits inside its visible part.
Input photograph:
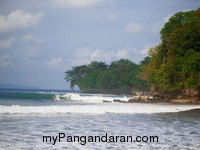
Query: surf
(91, 98)
(97, 109)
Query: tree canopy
(121, 76)
(175, 62)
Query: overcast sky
(41, 39)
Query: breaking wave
(97, 109)
(92, 98)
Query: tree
(97, 76)
(76, 74)
(175, 63)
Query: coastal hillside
(174, 67)
(171, 71)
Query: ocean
(31, 119)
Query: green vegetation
(118, 77)
(175, 63)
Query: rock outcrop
(105, 101)
(188, 95)
(119, 101)
(138, 99)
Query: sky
(40, 40)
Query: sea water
(28, 115)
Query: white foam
(92, 98)
(97, 109)
(56, 97)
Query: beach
(24, 122)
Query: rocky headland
(186, 96)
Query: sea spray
(97, 109)
(93, 98)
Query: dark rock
(119, 101)
(133, 100)
(105, 101)
(138, 99)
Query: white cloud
(126, 53)
(133, 28)
(18, 20)
(95, 54)
(83, 52)
(75, 3)
(113, 16)
(85, 55)
(122, 53)
(5, 60)
(27, 37)
(146, 48)
(166, 19)
(4, 44)
(32, 38)
(55, 62)
(133, 54)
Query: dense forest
(172, 66)
(175, 63)
(118, 77)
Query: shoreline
(144, 99)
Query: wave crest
(97, 109)
(92, 98)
